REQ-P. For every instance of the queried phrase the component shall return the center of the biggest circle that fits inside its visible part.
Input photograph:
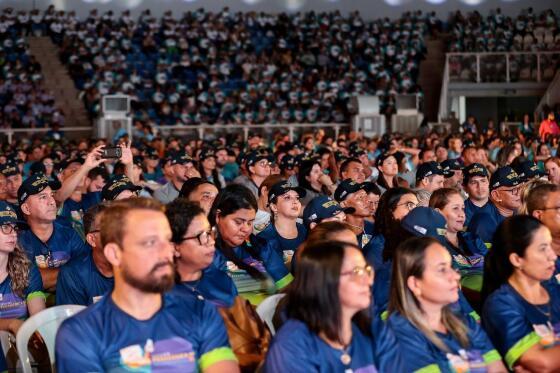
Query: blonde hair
(18, 270)
(409, 260)
(524, 210)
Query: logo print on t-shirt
(173, 354)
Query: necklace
(345, 358)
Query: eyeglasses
(359, 272)
(513, 192)
(203, 237)
(9, 228)
(264, 163)
(409, 205)
(555, 208)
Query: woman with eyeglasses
(522, 309)
(21, 287)
(233, 214)
(430, 335)
(284, 232)
(193, 238)
(328, 326)
(467, 250)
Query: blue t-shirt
(471, 210)
(373, 251)
(63, 245)
(515, 325)
(296, 349)
(468, 259)
(286, 247)
(80, 282)
(484, 224)
(268, 262)
(12, 306)
(214, 286)
(421, 354)
(74, 211)
(185, 335)
(153, 176)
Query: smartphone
(115, 152)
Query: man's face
(181, 172)
(146, 256)
(549, 214)
(428, 156)
(508, 197)
(478, 188)
(96, 184)
(432, 183)
(221, 158)
(358, 200)
(41, 207)
(470, 156)
(354, 171)
(204, 195)
(13, 184)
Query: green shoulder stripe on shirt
(215, 356)
(488, 245)
(36, 294)
(384, 315)
(491, 356)
(284, 281)
(432, 368)
(475, 316)
(520, 347)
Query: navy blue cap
(284, 187)
(428, 169)
(288, 162)
(382, 157)
(34, 184)
(345, 188)
(528, 170)
(424, 221)
(323, 207)
(116, 186)
(472, 170)
(255, 157)
(504, 177)
(181, 158)
(151, 153)
(206, 153)
(9, 169)
(450, 165)
(8, 215)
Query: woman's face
(288, 205)
(354, 289)
(389, 167)
(234, 229)
(454, 213)
(191, 252)
(7, 240)
(209, 163)
(544, 151)
(314, 174)
(49, 165)
(538, 261)
(406, 203)
(439, 284)
(325, 161)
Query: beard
(150, 283)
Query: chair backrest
(267, 308)
(5, 341)
(46, 323)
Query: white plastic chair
(6, 339)
(46, 323)
(266, 310)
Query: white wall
(370, 9)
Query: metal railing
(246, 128)
(9, 132)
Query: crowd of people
(393, 254)
(496, 32)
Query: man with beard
(136, 326)
(49, 244)
(183, 167)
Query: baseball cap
(288, 162)
(450, 165)
(472, 170)
(504, 177)
(528, 170)
(9, 169)
(119, 184)
(255, 157)
(346, 187)
(181, 158)
(382, 157)
(206, 153)
(428, 169)
(284, 187)
(34, 184)
(8, 215)
(424, 221)
(323, 207)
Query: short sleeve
(275, 266)
(78, 248)
(291, 352)
(214, 346)
(35, 287)
(73, 352)
(505, 323)
(480, 341)
(68, 288)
